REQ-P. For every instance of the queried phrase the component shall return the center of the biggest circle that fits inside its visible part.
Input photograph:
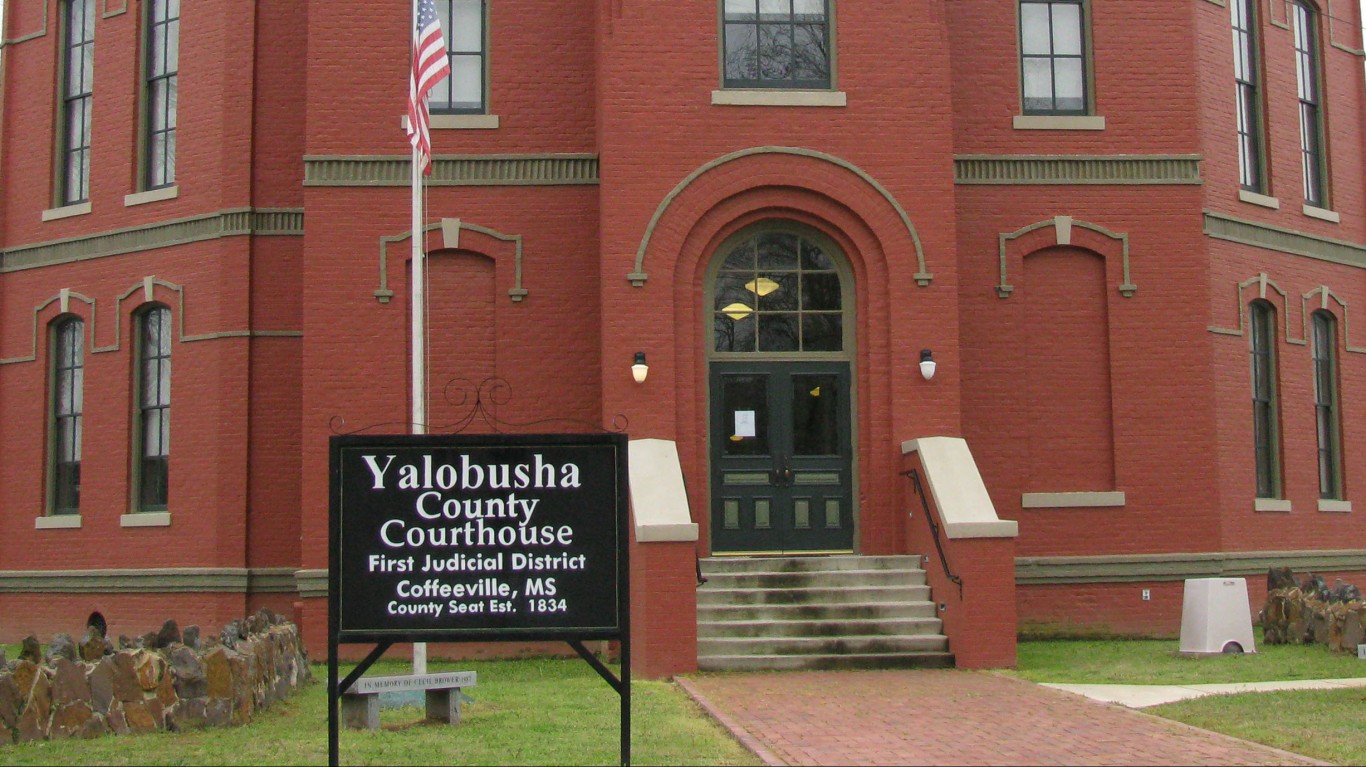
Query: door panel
(781, 453)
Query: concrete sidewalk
(1144, 695)
(950, 717)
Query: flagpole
(419, 330)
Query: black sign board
(455, 538)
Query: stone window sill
(1072, 500)
(1336, 507)
(457, 122)
(146, 519)
(67, 211)
(1271, 504)
(1266, 201)
(151, 195)
(757, 97)
(1323, 214)
(57, 522)
(1059, 122)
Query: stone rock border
(162, 681)
(1311, 612)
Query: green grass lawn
(1327, 725)
(539, 711)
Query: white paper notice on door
(744, 423)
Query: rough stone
(218, 712)
(189, 676)
(187, 713)
(124, 642)
(139, 718)
(218, 673)
(149, 666)
(62, 646)
(190, 637)
(166, 693)
(33, 723)
(94, 727)
(117, 722)
(3, 662)
(101, 680)
(93, 645)
(168, 635)
(230, 634)
(1279, 578)
(24, 673)
(30, 650)
(69, 684)
(126, 687)
(11, 703)
(69, 721)
(147, 641)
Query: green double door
(781, 457)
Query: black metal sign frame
(414, 508)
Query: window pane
(467, 78)
(778, 333)
(775, 10)
(1070, 89)
(809, 10)
(173, 46)
(742, 52)
(741, 9)
(742, 257)
(1038, 84)
(815, 258)
(778, 251)
(822, 332)
(735, 335)
(747, 396)
(775, 51)
(466, 30)
(815, 426)
(779, 291)
(811, 60)
(1034, 34)
(820, 292)
(1067, 29)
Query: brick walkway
(950, 718)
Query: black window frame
(1327, 417)
(66, 415)
(1304, 24)
(76, 99)
(161, 86)
(1265, 398)
(152, 409)
(1082, 57)
(439, 101)
(1245, 22)
(732, 24)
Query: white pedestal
(1216, 616)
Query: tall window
(777, 43)
(778, 291)
(68, 374)
(1248, 97)
(78, 76)
(154, 408)
(163, 54)
(1326, 405)
(1053, 57)
(462, 21)
(1265, 431)
(1311, 103)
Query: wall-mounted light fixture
(639, 369)
(927, 365)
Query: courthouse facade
(1130, 236)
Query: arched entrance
(780, 329)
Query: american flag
(430, 65)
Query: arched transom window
(778, 291)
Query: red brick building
(1128, 235)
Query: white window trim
(151, 195)
(1323, 214)
(67, 211)
(1336, 507)
(57, 522)
(146, 519)
(1271, 504)
(456, 122)
(1059, 122)
(1105, 498)
(1266, 201)
(766, 97)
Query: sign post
(461, 538)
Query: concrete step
(817, 612)
(719, 565)
(708, 596)
(825, 645)
(737, 629)
(815, 579)
(823, 662)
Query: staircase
(819, 612)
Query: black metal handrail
(934, 529)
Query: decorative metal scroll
(479, 404)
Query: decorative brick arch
(734, 173)
(454, 234)
(1063, 230)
